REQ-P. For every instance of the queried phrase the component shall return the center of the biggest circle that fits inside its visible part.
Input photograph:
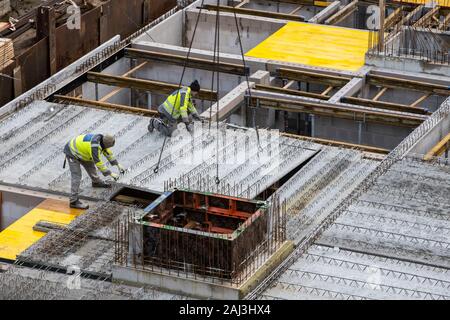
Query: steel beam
(181, 60)
(146, 85)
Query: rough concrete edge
(280, 255)
(164, 289)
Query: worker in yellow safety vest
(178, 106)
(86, 150)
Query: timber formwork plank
(420, 86)
(181, 60)
(384, 105)
(252, 12)
(146, 85)
(343, 13)
(338, 111)
(336, 143)
(292, 92)
(312, 77)
(106, 106)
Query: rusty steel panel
(72, 43)
(35, 65)
(159, 7)
(7, 83)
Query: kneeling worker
(177, 106)
(86, 150)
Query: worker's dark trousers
(167, 125)
(75, 172)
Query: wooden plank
(420, 100)
(146, 85)
(6, 52)
(393, 18)
(420, 86)
(380, 94)
(423, 21)
(292, 92)
(106, 106)
(253, 12)
(438, 149)
(312, 77)
(384, 105)
(180, 60)
(337, 143)
(337, 111)
(343, 13)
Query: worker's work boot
(79, 205)
(101, 184)
(151, 126)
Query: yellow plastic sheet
(20, 235)
(315, 45)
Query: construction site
(318, 169)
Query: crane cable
(156, 169)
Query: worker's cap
(195, 86)
(109, 141)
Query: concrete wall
(373, 134)
(306, 12)
(253, 31)
(172, 74)
(13, 206)
(407, 64)
(432, 138)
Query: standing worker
(86, 150)
(178, 106)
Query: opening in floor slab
(14, 206)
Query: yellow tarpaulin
(315, 45)
(20, 235)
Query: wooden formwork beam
(338, 111)
(384, 105)
(106, 105)
(393, 18)
(336, 143)
(342, 13)
(420, 86)
(443, 25)
(312, 77)
(292, 92)
(253, 12)
(146, 85)
(181, 60)
(423, 21)
(439, 149)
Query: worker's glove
(190, 127)
(115, 176)
(196, 116)
(121, 169)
